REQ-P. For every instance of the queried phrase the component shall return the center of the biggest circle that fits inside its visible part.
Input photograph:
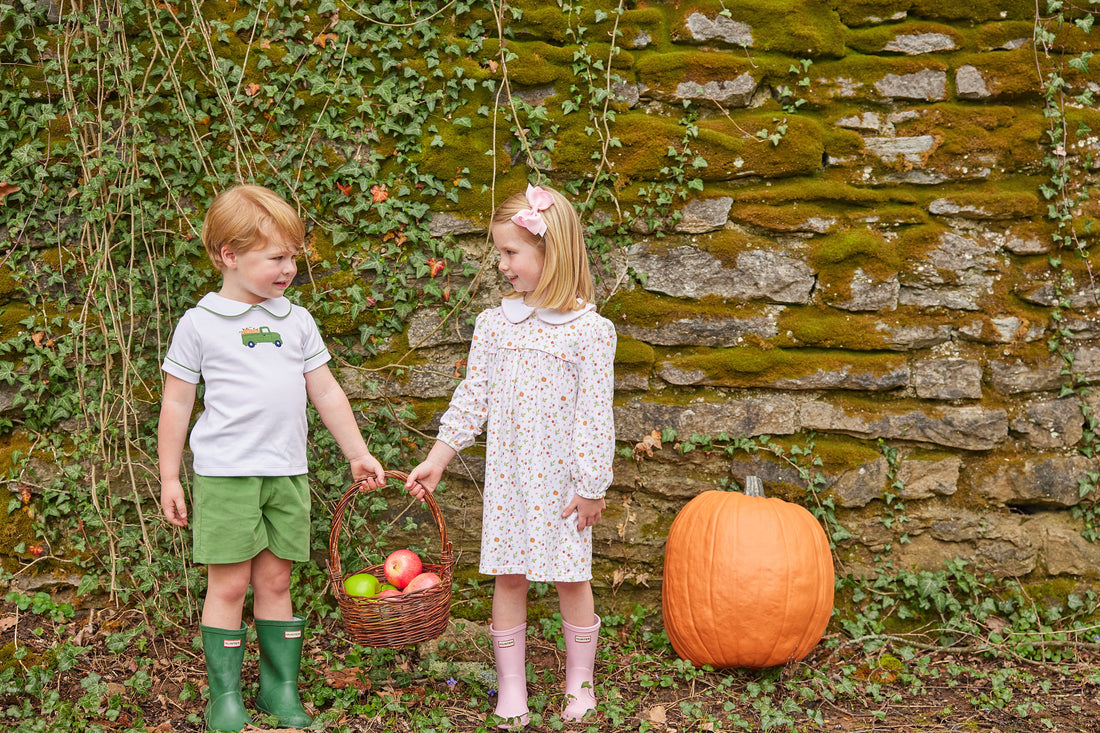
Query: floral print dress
(544, 381)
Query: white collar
(277, 307)
(517, 311)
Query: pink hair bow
(530, 219)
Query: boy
(261, 357)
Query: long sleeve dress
(543, 380)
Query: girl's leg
(510, 601)
(509, 634)
(581, 627)
(576, 602)
(223, 645)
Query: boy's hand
(367, 468)
(588, 511)
(172, 504)
(423, 479)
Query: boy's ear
(229, 258)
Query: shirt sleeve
(314, 352)
(184, 357)
(465, 418)
(594, 418)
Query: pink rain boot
(510, 651)
(580, 663)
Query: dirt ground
(159, 678)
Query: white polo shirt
(253, 359)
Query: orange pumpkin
(748, 581)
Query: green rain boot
(280, 656)
(224, 651)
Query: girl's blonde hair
(566, 283)
(245, 217)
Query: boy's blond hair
(566, 283)
(245, 216)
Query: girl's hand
(588, 511)
(423, 479)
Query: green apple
(363, 585)
(387, 586)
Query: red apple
(402, 566)
(421, 582)
(387, 593)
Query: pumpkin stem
(754, 486)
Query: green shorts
(235, 517)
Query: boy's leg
(271, 587)
(223, 645)
(581, 627)
(509, 634)
(226, 587)
(281, 635)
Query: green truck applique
(262, 335)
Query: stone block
(968, 428)
(868, 294)
(948, 379)
(909, 149)
(860, 486)
(701, 331)
(727, 92)
(923, 479)
(704, 215)
(689, 272)
(970, 84)
(929, 85)
(1051, 423)
(914, 44)
(702, 28)
(1036, 481)
(1015, 376)
(767, 415)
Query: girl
(540, 371)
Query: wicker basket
(397, 620)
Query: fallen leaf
(323, 39)
(345, 188)
(7, 622)
(379, 193)
(38, 338)
(5, 189)
(656, 714)
(435, 266)
(459, 365)
(252, 89)
(649, 443)
(342, 679)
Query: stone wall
(879, 279)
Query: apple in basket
(422, 582)
(363, 585)
(387, 593)
(402, 566)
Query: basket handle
(362, 487)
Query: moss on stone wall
(753, 366)
(874, 39)
(640, 307)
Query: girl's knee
(514, 583)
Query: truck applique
(262, 335)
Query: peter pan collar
(517, 311)
(277, 307)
